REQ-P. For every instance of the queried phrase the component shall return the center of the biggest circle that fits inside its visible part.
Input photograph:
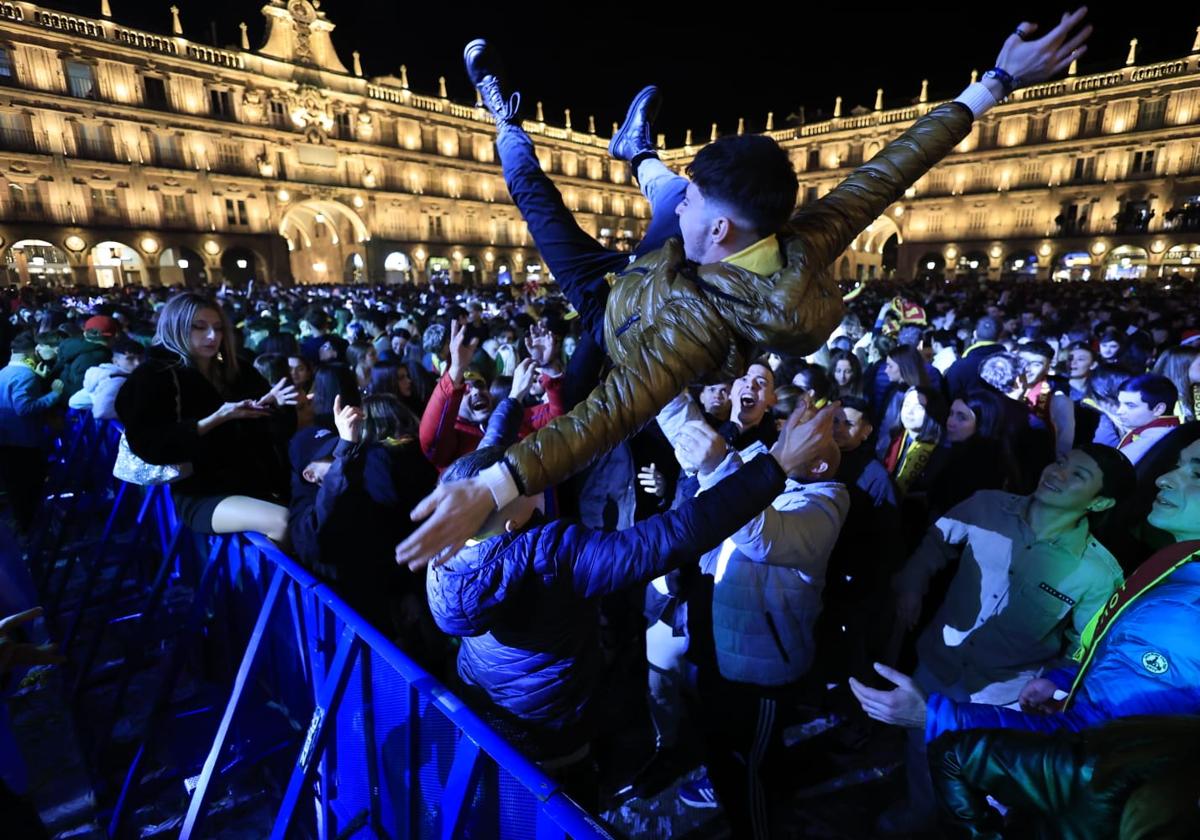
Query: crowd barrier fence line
(387, 750)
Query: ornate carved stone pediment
(297, 31)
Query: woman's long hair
(384, 417)
(855, 387)
(1174, 364)
(333, 380)
(912, 366)
(174, 333)
(933, 430)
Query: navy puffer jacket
(526, 603)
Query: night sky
(592, 57)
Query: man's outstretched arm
(687, 341)
(831, 224)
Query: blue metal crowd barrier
(363, 742)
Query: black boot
(633, 137)
(484, 71)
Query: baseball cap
(101, 325)
(312, 444)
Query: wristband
(1005, 79)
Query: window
(156, 93)
(1031, 172)
(235, 212)
(104, 204)
(1151, 113)
(22, 197)
(6, 68)
(810, 195)
(220, 103)
(342, 120)
(278, 117)
(1026, 216)
(1143, 163)
(166, 151)
(174, 206)
(230, 157)
(936, 221)
(814, 159)
(437, 226)
(81, 81)
(978, 220)
(1084, 170)
(91, 141)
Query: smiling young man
(739, 269)
(1030, 575)
(1139, 655)
(1146, 411)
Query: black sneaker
(485, 71)
(633, 137)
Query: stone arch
(37, 261)
(1021, 264)
(398, 267)
(115, 263)
(241, 264)
(322, 234)
(179, 265)
(1182, 259)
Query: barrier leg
(163, 696)
(318, 729)
(464, 775)
(195, 812)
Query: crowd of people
(966, 509)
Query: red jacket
(445, 437)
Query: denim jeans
(578, 262)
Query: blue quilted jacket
(525, 604)
(1147, 664)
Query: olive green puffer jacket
(669, 322)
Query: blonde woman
(192, 402)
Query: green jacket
(669, 323)
(1131, 779)
(75, 356)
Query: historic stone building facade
(1084, 177)
(128, 156)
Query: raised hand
(803, 437)
(283, 393)
(1029, 61)
(699, 448)
(523, 379)
(348, 419)
(455, 513)
(652, 481)
(461, 352)
(542, 346)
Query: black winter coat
(238, 457)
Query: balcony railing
(23, 140)
(104, 150)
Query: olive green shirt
(1016, 605)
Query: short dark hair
(23, 343)
(316, 316)
(751, 174)
(472, 464)
(1153, 389)
(855, 403)
(988, 328)
(1038, 348)
(128, 347)
(1119, 478)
